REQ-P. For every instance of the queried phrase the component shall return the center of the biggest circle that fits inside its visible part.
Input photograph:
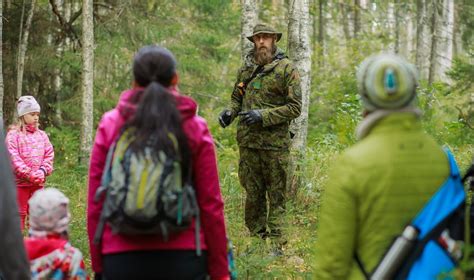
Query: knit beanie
(386, 81)
(49, 212)
(27, 104)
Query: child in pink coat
(50, 253)
(30, 151)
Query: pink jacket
(206, 183)
(29, 151)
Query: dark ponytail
(157, 116)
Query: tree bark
(434, 42)
(391, 27)
(299, 47)
(22, 48)
(321, 31)
(407, 46)
(1, 61)
(423, 38)
(445, 32)
(87, 80)
(357, 24)
(397, 26)
(345, 21)
(248, 21)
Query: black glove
(251, 117)
(225, 118)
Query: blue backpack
(429, 246)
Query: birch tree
(248, 21)
(87, 79)
(1, 60)
(444, 32)
(299, 47)
(24, 33)
(423, 38)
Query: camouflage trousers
(263, 173)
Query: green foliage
(205, 37)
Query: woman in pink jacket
(154, 98)
(31, 153)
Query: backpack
(429, 246)
(144, 192)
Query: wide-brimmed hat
(264, 28)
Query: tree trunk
(22, 48)
(445, 31)
(458, 31)
(397, 26)
(58, 79)
(391, 24)
(423, 38)
(248, 21)
(1, 60)
(345, 21)
(87, 80)
(434, 42)
(321, 31)
(357, 23)
(407, 45)
(299, 47)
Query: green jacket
(276, 92)
(374, 190)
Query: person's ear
(175, 79)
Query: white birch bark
(407, 43)
(58, 79)
(1, 60)
(87, 80)
(299, 47)
(435, 19)
(445, 32)
(22, 49)
(423, 38)
(391, 28)
(248, 21)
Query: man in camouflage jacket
(266, 97)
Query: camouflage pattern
(276, 92)
(263, 172)
(264, 147)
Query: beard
(263, 55)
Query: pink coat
(206, 182)
(29, 151)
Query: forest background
(47, 48)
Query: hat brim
(250, 38)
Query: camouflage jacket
(276, 92)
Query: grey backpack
(144, 193)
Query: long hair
(157, 121)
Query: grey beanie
(27, 104)
(386, 81)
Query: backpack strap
(361, 266)
(106, 176)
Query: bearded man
(266, 97)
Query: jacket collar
(380, 117)
(279, 54)
(127, 107)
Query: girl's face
(31, 118)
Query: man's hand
(225, 118)
(251, 117)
